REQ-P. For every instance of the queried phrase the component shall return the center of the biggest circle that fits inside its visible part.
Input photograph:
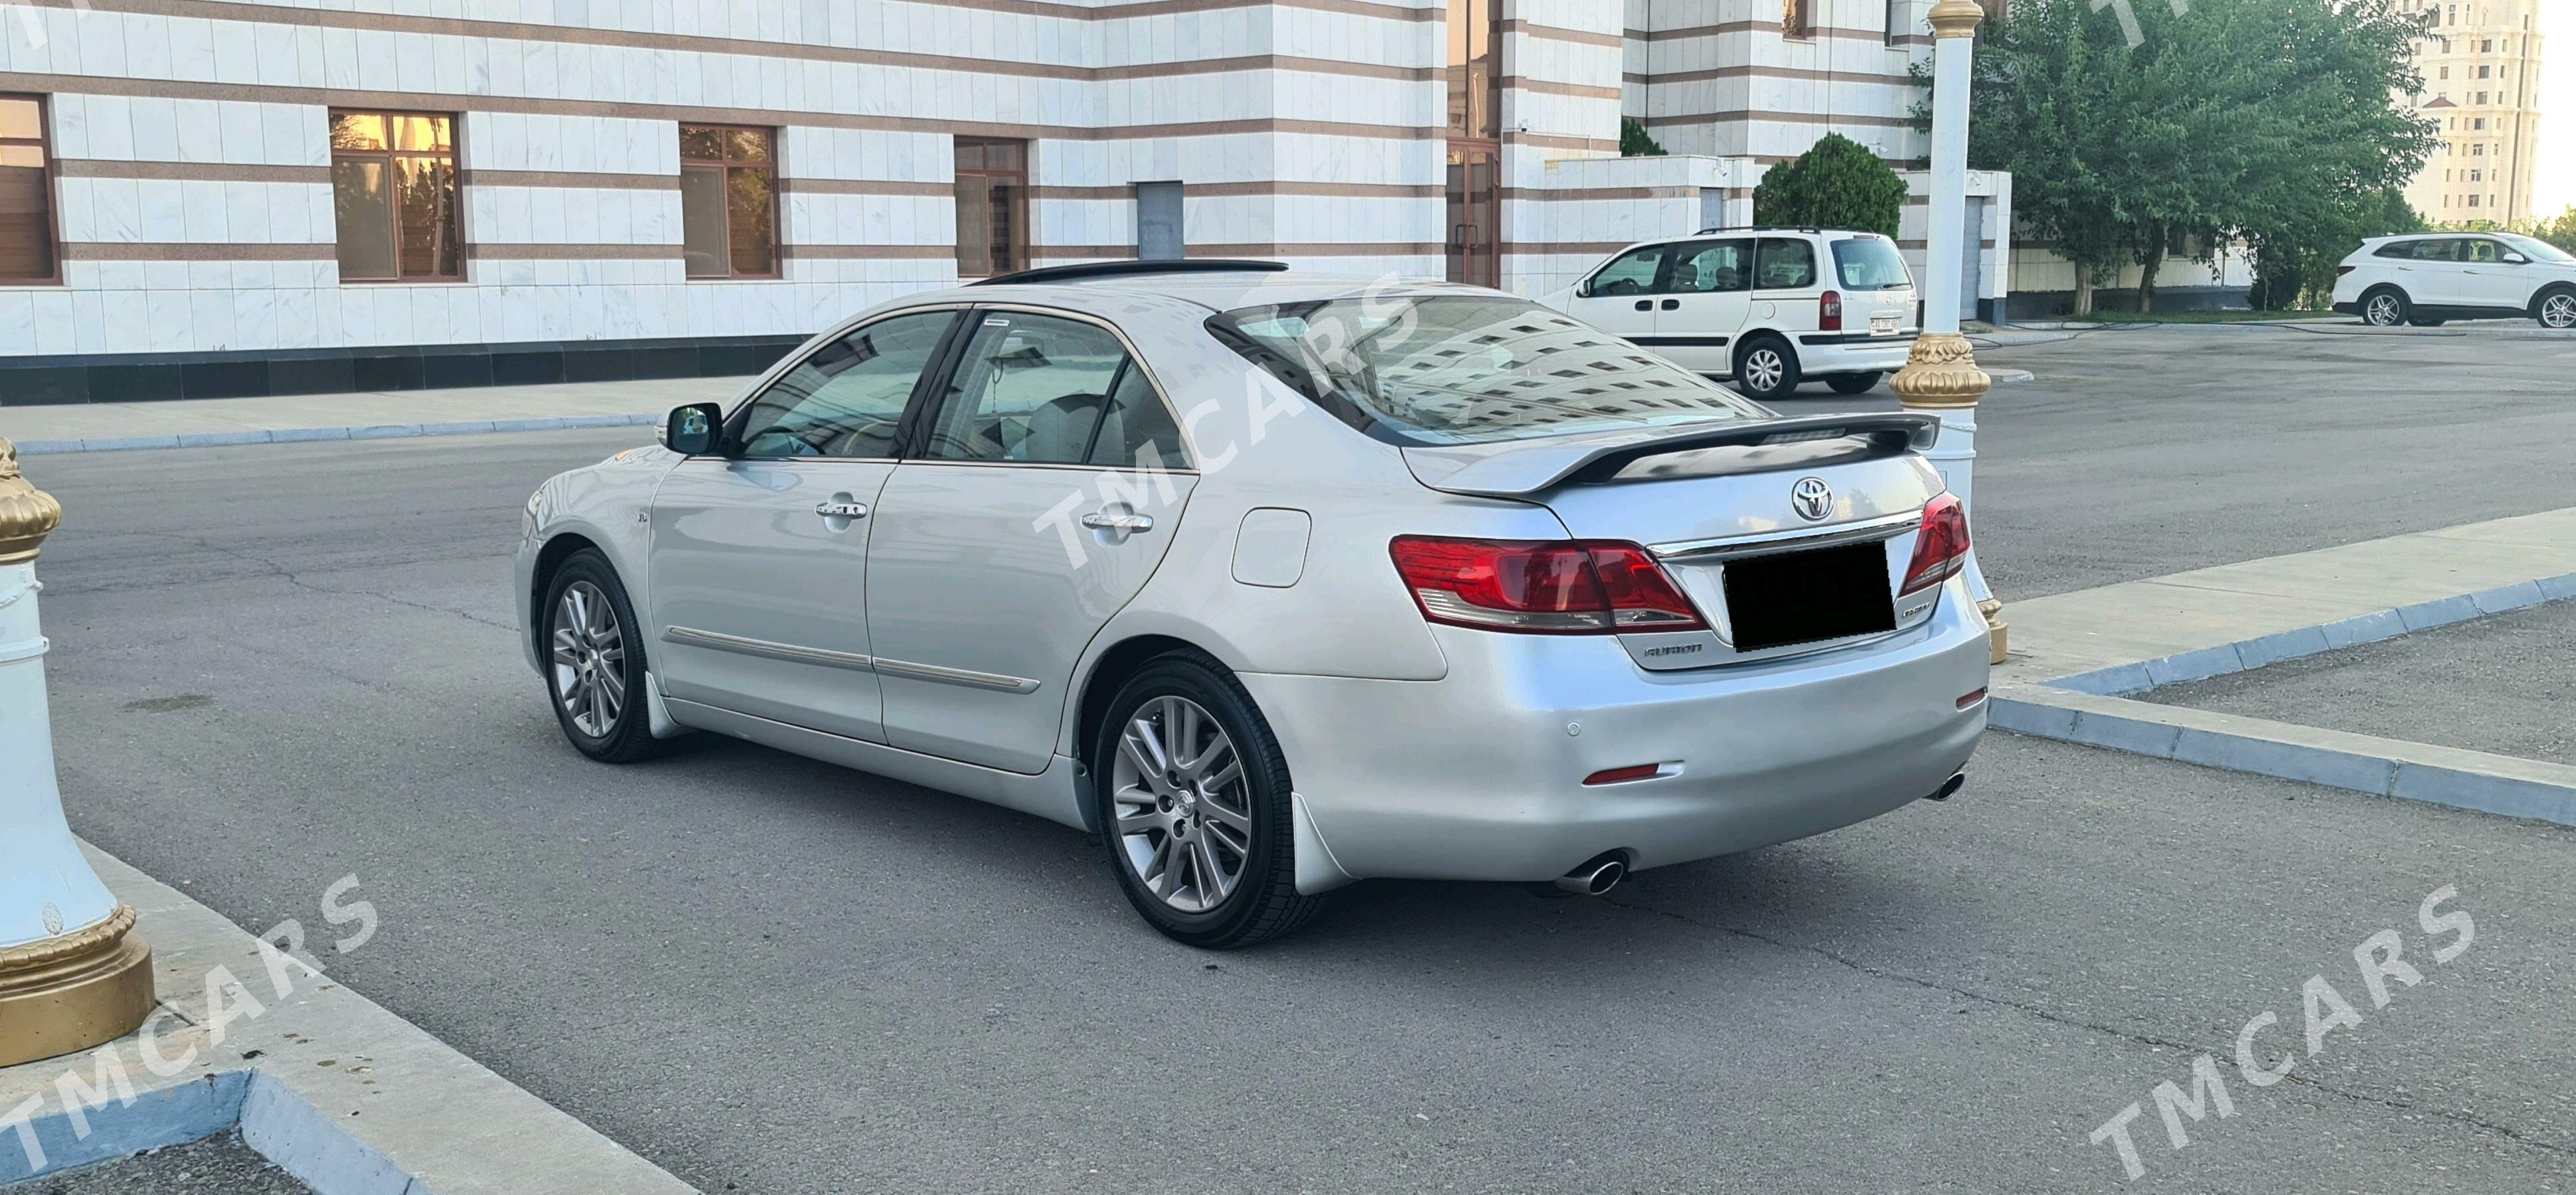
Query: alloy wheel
(2384, 310)
(2559, 311)
(589, 660)
(1763, 367)
(1183, 804)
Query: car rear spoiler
(1519, 468)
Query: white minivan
(1768, 307)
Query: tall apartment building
(222, 197)
(2482, 81)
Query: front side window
(26, 193)
(846, 400)
(1711, 267)
(393, 192)
(1042, 390)
(2484, 252)
(1467, 369)
(1632, 273)
(2537, 249)
(1784, 264)
(1869, 263)
(729, 201)
(992, 206)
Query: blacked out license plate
(1809, 597)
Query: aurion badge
(1813, 499)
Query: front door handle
(1645, 304)
(842, 510)
(1123, 524)
(1672, 304)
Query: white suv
(2425, 280)
(1770, 307)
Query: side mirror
(691, 430)
(1583, 289)
(2516, 259)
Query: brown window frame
(455, 155)
(43, 142)
(728, 164)
(1020, 231)
(1798, 19)
(1472, 116)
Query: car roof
(1214, 290)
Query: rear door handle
(842, 510)
(1645, 304)
(1123, 524)
(1672, 304)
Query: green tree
(1837, 183)
(2560, 232)
(1635, 141)
(2276, 121)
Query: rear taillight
(1829, 312)
(1940, 547)
(2340, 271)
(1550, 587)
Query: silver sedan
(1278, 581)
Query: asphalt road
(2150, 451)
(276, 666)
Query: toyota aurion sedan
(1277, 581)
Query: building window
(1159, 226)
(1896, 13)
(26, 193)
(393, 191)
(1796, 20)
(729, 201)
(992, 206)
(2482, 71)
(1475, 70)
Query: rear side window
(1705, 267)
(1868, 263)
(1041, 390)
(1783, 264)
(2440, 250)
(2397, 249)
(1467, 369)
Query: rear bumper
(1479, 776)
(1821, 353)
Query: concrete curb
(298, 435)
(343, 1094)
(2451, 776)
(2206, 662)
(2086, 708)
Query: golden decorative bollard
(73, 973)
(1941, 375)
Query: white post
(1941, 375)
(72, 974)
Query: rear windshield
(1868, 263)
(1467, 369)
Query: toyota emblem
(1813, 499)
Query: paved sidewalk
(206, 422)
(2075, 654)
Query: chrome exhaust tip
(1594, 878)
(1948, 788)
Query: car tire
(593, 652)
(1169, 843)
(1766, 368)
(1853, 383)
(2556, 308)
(2386, 307)
(2427, 321)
